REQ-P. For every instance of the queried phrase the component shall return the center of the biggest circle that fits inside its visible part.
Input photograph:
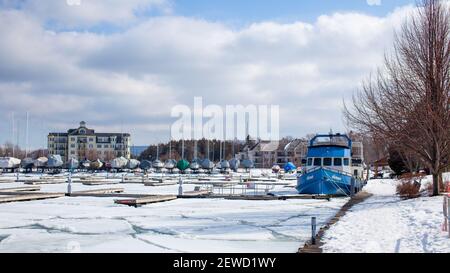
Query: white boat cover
(41, 162)
(54, 161)
(119, 163)
(9, 162)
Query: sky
(123, 65)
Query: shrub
(408, 189)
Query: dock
(29, 197)
(146, 200)
(43, 182)
(99, 182)
(21, 189)
(160, 184)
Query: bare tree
(407, 102)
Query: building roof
(89, 132)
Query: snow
(384, 223)
(90, 224)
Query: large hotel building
(84, 143)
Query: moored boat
(9, 163)
(329, 169)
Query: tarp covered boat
(55, 161)
(170, 164)
(145, 165)
(207, 164)
(9, 163)
(41, 162)
(27, 163)
(119, 163)
(248, 164)
(290, 167)
(183, 165)
(234, 164)
(133, 164)
(72, 164)
(96, 165)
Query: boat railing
(328, 169)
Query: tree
(407, 102)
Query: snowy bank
(386, 224)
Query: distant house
(84, 143)
(265, 154)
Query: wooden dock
(97, 192)
(99, 182)
(146, 200)
(29, 197)
(21, 189)
(43, 182)
(160, 184)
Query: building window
(72, 145)
(91, 139)
(72, 152)
(72, 139)
(91, 146)
(99, 146)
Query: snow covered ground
(386, 224)
(88, 224)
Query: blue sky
(247, 11)
(123, 65)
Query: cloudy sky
(122, 65)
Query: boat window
(327, 161)
(346, 162)
(337, 162)
(317, 162)
(310, 161)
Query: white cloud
(135, 76)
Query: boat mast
(26, 138)
(13, 135)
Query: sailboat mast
(26, 138)
(12, 138)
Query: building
(84, 143)
(265, 154)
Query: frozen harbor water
(91, 224)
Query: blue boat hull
(327, 182)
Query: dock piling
(69, 185)
(313, 230)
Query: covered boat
(85, 164)
(290, 167)
(119, 163)
(157, 164)
(9, 163)
(72, 164)
(170, 164)
(195, 165)
(96, 165)
(183, 165)
(329, 168)
(133, 164)
(41, 162)
(55, 161)
(27, 163)
(248, 164)
(207, 164)
(145, 165)
(276, 168)
(234, 164)
(224, 165)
